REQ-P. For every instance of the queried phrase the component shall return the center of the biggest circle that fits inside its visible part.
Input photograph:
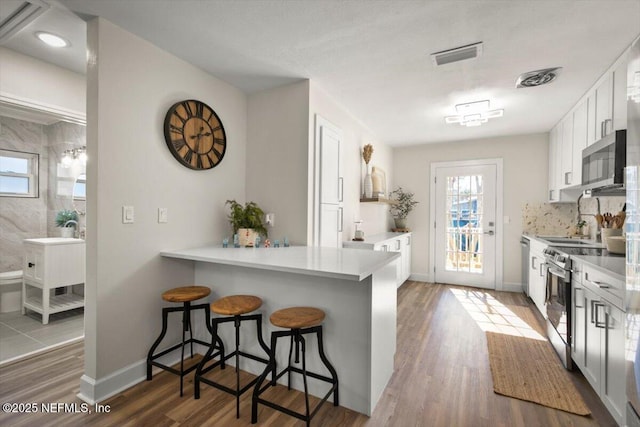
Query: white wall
(31, 82)
(525, 180)
(375, 216)
(131, 85)
(277, 150)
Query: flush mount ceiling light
(456, 54)
(538, 77)
(52, 39)
(473, 114)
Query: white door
(465, 225)
(330, 184)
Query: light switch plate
(163, 215)
(128, 215)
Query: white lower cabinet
(578, 317)
(598, 346)
(400, 243)
(537, 276)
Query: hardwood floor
(442, 378)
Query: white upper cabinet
(604, 106)
(566, 154)
(620, 95)
(602, 110)
(580, 123)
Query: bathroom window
(18, 174)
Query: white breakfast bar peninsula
(355, 288)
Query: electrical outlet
(163, 215)
(128, 215)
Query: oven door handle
(556, 271)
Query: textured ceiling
(373, 56)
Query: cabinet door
(331, 217)
(537, 281)
(553, 169)
(330, 179)
(566, 155)
(579, 141)
(406, 257)
(620, 96)
(592, 342)
(579, 317)
(604, 104)
(613, 391)
(33, 268)
(591, 119)
(395, 245)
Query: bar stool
(300, 321)
(185, 295)
(235, 307)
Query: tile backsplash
(559, 219)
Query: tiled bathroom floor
(22, 334)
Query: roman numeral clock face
(195, 135)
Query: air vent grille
(23, 14)
(461, 53)
(538, 77)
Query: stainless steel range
(558, 302)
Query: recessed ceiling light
(52, 39)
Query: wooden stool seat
(186, 293)
(236, 305)
(297, 317)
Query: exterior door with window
(465, 225)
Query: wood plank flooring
(442, 378)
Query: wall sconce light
(73, 155)
(473, 114)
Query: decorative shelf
(378, 200)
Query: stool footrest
(227, 389)
(298, 415)
(177, 346)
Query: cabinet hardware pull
(31, 264)
(533, 262)
(341, 189)
(601, 285)
(341, 220)
(598, 323)
(578, 299)
(567, 181)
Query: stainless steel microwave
(604, 161)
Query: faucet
(580, 215)
(75, 223)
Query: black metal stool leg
(271, 367)
(334, 374)
(165, 315)
(237, 327)
(300, 339)
(289, 365)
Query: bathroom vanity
(51, 263)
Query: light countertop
(370, 241)
(613, 265)
(54, 241)
(348, 264)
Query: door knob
(490, 232)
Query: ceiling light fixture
(473, 114)
(52, 39)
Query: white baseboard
(420, 277)
(95, 391)
(512, 287)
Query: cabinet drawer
(604, 285)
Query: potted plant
(403, 204)
(246, 221)
(67, 220)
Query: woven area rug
(529, 369)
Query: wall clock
(195, 135)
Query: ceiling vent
(18, 14)
(538, 77)
(461, 53)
